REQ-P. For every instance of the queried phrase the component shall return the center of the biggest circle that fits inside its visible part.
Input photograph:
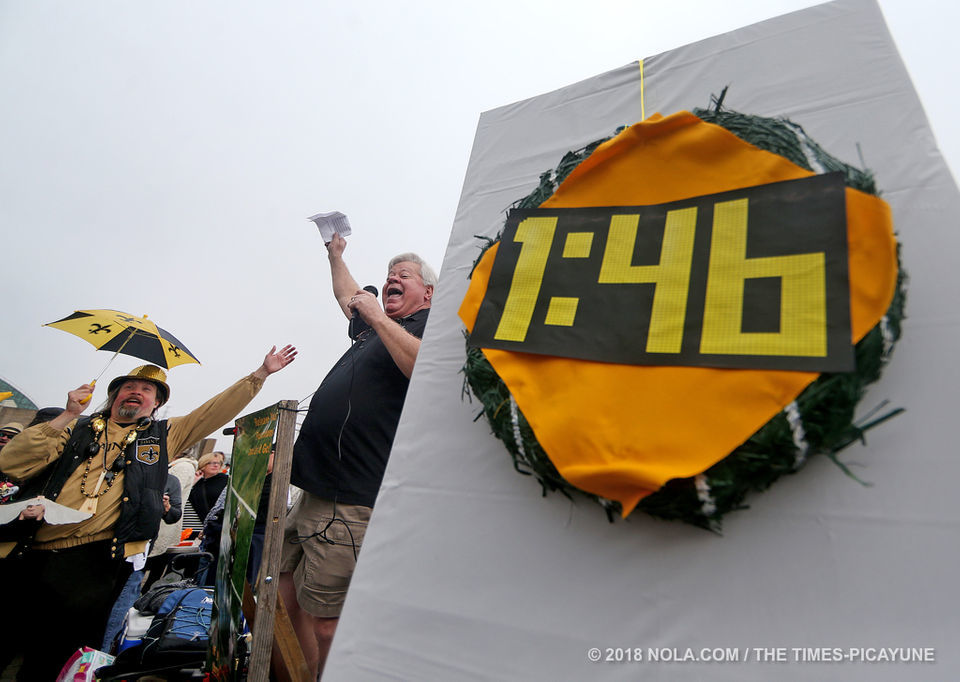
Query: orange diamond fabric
(622, 431)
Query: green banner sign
(248, 467)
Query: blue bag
(177, 638)
(182, 623)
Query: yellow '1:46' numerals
(803, 310)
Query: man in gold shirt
(114, 466)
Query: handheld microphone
(369, 288)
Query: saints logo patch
(148, 450)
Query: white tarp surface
(469, 574)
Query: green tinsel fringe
(826, 406)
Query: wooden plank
(289, 665)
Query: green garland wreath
(819, 421)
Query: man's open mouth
(394, 291)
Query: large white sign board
(469, 574)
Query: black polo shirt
(345, 440)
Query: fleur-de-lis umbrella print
(112, 330)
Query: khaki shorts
(321, 570)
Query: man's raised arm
(344, 285)
(220, 409)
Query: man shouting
(341, 453)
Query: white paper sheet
(53, 513)
(330, 224)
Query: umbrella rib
(134, 333)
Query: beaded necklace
(109, 474)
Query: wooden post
(268, 579)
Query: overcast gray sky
(160, 158)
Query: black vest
(144, 481)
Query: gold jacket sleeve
(213, 414)
(33, 450)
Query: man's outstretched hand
(276, 360)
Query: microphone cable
(356, 340)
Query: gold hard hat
(150, 373)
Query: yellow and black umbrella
(122, 333)
(112, 330)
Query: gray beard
(127, 412)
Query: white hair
(426, 272)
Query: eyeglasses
(7, 435)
